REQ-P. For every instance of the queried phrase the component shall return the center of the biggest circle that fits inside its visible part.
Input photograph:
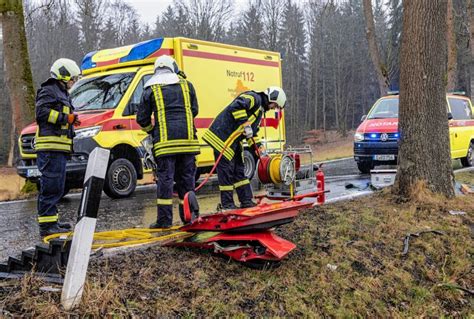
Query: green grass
(363, 238)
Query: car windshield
(102, 92)
(384, 109)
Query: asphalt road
(18, 219)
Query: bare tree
(207, 18)
(18, 71)
(380, 68)
(272, 19)
(423, 122)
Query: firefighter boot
(248, 204)
(47, 229)
(67, 226)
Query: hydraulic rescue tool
(246, 234)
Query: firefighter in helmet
(171, 99)
(53, 141)
(242, 115)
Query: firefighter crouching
(243, 115)
(172, 100)
(53, 141)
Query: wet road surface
(18, 220)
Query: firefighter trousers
(52, 166)
(231, 175)
(169, 169)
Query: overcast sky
(149, 9)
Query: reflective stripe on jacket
(246, 109)
(174, 108)
(53, 105)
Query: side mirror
(362, 119)
(450, 116)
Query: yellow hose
(126, 237)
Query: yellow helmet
(65, 70)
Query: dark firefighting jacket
(53, 105)
(174, 108)
(246, 109)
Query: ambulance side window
(460, 109)
(136, 96)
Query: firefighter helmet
(277, 95)
(165, 61)
(65, 70)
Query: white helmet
(165, 61)
(65, 70)
(277, 95)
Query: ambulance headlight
(87, 132)
(358, 137)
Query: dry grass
(334, 146)
(362, 238)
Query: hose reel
(279, 169)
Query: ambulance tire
(365, 167)
(250, 164)
(121, 179)
(468, 161)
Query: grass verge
(348, 263)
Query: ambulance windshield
(384, 109)
(102, 92)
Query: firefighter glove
(73, 119)
(248, 132)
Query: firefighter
(171, 99)
(242, 115)
(53, 141)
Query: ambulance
(376, 138)
(107, 97)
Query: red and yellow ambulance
(376, 138)
(107, 96)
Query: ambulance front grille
(26, 144)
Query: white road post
(84, 230)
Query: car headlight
(358, 137)
(87, 132)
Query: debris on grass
(362, 237)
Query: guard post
(84, 230)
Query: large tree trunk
(452, 49)
(424, 155)
(18, 71)
(470, 15)
(5, 109)
(380, 69)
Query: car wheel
(121, 179)
(365, 167)
(249, 164)
(468, 161)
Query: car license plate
(33, 172)
(384, 157)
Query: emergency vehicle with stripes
(376, 138)
(107, 96)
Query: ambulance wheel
(365, 167)
(249, 164)
(121, 179)
(468, 161)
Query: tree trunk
(470, 15)
(380, 69)
(5, 109)
(18, 71)
(424, 155)
(452, 49)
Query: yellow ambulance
(107, 96)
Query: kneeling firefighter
(242, 116)
(172, 101)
